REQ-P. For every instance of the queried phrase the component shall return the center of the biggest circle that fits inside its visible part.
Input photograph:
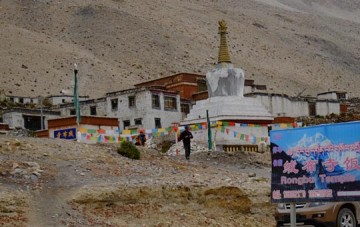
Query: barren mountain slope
(118, 43)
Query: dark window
(312, 109)
(126, 123)
(170, 103)
(12, 99)
(185, 108)
(63, 100)
(157, 123)
(131, 101)
(31, 101)
(72, 112)
(341, 95)
(114, 104)
(155, 101)
(92, 110)
(32, 122)
(21, 100)
(201, 85)
(138, 121)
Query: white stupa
(226, 93)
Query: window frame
(155, 98)
(114, 105)
(137, 120)
(157, 120)
(126, 125)
(182, 107)
(91, 110)
(166, 102)
(72, 112)
(132, 101)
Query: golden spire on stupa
(224, 56)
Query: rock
(36, 173)
(15, 165)
(33, 164)
(252, 175)
(33, 177)
(18, 171)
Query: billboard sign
(68, 134)
(316, 164)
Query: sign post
(292, 214)
(315, 164)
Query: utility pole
(40, 100)
(76, 96)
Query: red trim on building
(88, 120)
(285, 120)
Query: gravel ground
(46, 182)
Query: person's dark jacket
(185, 136)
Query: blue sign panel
(316, 164)
(69, 134)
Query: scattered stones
(26, 170)
(178, 149)
(20, 133)
(168, 182)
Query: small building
(281, 105)
(144, 107)
(28, 118)
(22, 100)
(333, 95)
(62, 99)
(66, 127)
(91, 107)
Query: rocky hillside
(47, 182)
(288, 45)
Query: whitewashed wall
(86, 126)
(222, 138)
(56, 100)
(324, 108)
(143, 109)
(26, 100)
(282, 106)
(247, 89)
(327, 96)
(16, 119)
(100, 108)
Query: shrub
(165, 146)
(129, 150)
(47, 103)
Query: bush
(129, 150)
(165, 146)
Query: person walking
(141, 139)
(186, 136)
